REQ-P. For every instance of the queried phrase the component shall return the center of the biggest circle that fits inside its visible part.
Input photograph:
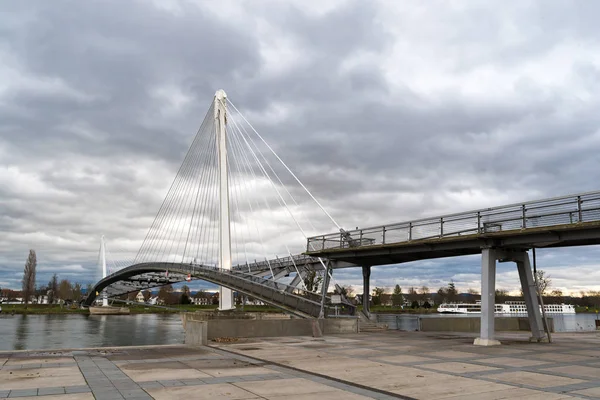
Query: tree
(424, 294)
(543, 281)
(501, 295)
(64, 290)
(185, 298)
(29, 277)
(185, 289)
(397, 297)
(53, 289)
(556, 296)
(147, 295)
(472, 295)
(452, 292)
(412, 294)
(349, 291)
(312, 280)
(442, 295)
(165, 294)
(76, 291)
(377, 292)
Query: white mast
(220, 107)
(103, 262)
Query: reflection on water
(562, 322)
(26, 332)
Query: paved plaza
(381, 365)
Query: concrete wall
(452, 324)
(198, 332)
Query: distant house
(201, 301)
(41, 299)
(139, 297)
(386, 299)
(153, 300)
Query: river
(28, 332)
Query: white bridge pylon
(234, 202)
(225, 294)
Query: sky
(387, 111)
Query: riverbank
(41, 309)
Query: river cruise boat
(510, 307)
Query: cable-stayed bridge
(237, 216)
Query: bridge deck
(559, 222)
(290, 299)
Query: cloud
(386, 111)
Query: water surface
(28, 332)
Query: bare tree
(165, 295)
(412, 294)
(424, 294)
(65, 291)
(377, 292)
(29, 277)
(76, 290)
(501, 295)
(543, 281)
(53, 289)
(349, 291)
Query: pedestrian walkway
(444, 366)
(160, 372)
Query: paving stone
(171, 383)
(534, 379)
(23, 393)
(77, 389)
(148, 385)
(47, 391)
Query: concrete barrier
(450, 324)
(198, 330)
(196, 333)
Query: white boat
(510, 307)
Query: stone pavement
(382, 365)
(430, 365)
(159, 372)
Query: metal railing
(573, 209)
(285, 262)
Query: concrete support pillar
(326, 279)
(366, 270)
(531, 299)
(488, 298)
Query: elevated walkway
(558, 222)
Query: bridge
(499, 234)
(211, 226)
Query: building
(139, 297)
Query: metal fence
(564, 210)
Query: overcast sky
(387, 111)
